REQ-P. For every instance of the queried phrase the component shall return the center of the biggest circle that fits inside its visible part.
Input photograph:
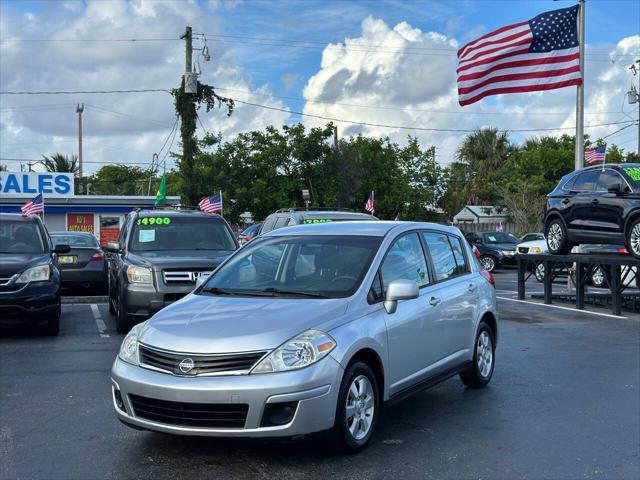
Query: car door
(412, 331)
(608, 208)
(457, 289)
(579, 212)
(115, 259)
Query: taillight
(476, 252)
(623, 250)
(97, 257)
(488, 277)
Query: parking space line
(102, 327)
(7, 454)
(575, 310)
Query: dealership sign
(29, 184)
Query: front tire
(539, 273)
(112, 308)
(484, 355)
(123, 322)
(633, 238)
(597, 278)
(52, 327)
(557, 239)
(357, 409)
(488, 263)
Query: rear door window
(586, 181)
(268, 224)
(281, 222)
(458, 253)
(442, 256)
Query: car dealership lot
(562, 404)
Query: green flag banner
(161, 194)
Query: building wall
(55, 221)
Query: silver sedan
(312, 328)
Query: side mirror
(399, 290)
(113, 247)
(61, 249)
(615, 189)
(201, 279)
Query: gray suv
(294, 216)
(312, 328)
(158, 258)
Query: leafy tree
(120, 180)
(60, 163)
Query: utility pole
(634, 96)
(579, 160)
(79, 110)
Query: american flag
(595, 155)
(211, 204)
(539, 54)
(369, 207)
(36, 205)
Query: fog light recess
(118, 399)
(276, 414)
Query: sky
(389, 63)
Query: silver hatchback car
(312, 328)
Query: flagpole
(221, 206)
(579, 160)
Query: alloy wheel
(635, 239)
(360, 407)
(597, 278)
(555, 236)
(484, 354)
(488, 263)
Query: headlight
(299, 352)
(40, 273)
(536, 250)
(129, 348)
(508, 253)
(139, 275)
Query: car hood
(181, 258)
(534, 243)
(220, 324)
(12, 263)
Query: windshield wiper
(218, 291)
(277, 291)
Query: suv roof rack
(313, 209)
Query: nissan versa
(312, 328)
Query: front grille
(174, 277)
(205, 415)
(227, 363)
(523, 249)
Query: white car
(534, 247)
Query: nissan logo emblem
(186, 365)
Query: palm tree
(484, 152)
(60, 163)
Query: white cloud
(132, 126)
(413, 72)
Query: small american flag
(595, 155)
(538, 54)
(211, 204)
(33, 206)
(369, 207)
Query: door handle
(565, 201)
(595, 201)
(472, 287)
(434, 301)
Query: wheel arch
(490, 319)
(372, 359)
(633, 215)
(552, 215)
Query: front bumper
(315, 389)
(33, 301)
(507, 259)
(144, 300)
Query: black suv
(595, 205)
(158, 258)
(29, 276)
(292, 216)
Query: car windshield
(499, 237)
(75, 241)
(321, 266)
(164, 233)
(633, 172)
(20, 237)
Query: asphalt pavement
(564, 403)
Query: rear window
(165, 233)
(76, 241)
(20, 237)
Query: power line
(87, 92)
(100, 109)
(64, 40)
(619, 130)
(84, 161)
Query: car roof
(176, 213)
(371, 228)
(86, 234)
(17, 217)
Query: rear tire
(633, 238)
(357, 410)
(123, 321)
(479, 374)
(539, 273)
(557, 239)
(52, 327)
(597, 278)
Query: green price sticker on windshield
(633, 172)
(317, 220)
(154, 221)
